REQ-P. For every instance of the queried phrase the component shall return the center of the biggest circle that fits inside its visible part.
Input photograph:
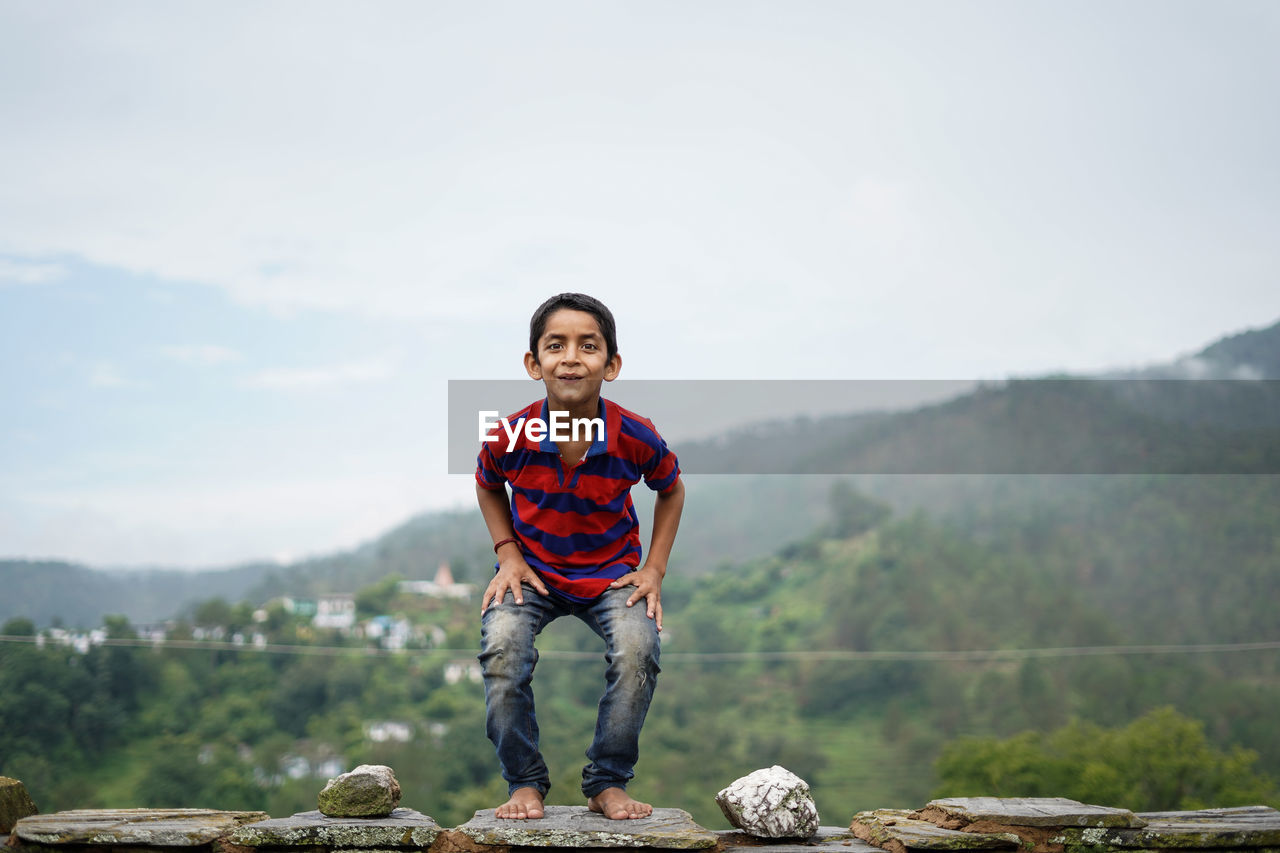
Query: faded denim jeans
(508, 657)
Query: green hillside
(56, 592)
(881, 634)
(960, 460)
(833, 656)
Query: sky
(245, 246)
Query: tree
(18, 626)
(853, 512)
(375, 600)
(1161, 761)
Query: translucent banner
(1038, 426)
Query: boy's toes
(525, 804)
(615, 804)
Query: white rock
(770, 803)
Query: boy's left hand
(648, 584)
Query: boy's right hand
(512, 572)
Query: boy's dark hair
(574, 302)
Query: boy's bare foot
(614, 804)
(525, 803)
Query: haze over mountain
(955, 453)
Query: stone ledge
(829, 839)
(144, 827)
(898, 831)
(1245, 827)
(402, 828)
(577, 826)
(1027, 811)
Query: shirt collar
(612, 425)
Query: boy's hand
(511, 573)
(648, 584)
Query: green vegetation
(1160, 762)
(810, 622)
(743, 685)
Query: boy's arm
(648, 578)
(512, 568)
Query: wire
(973, 655)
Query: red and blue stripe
(577, 526)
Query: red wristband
(497, 545)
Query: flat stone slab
(829, 839)
(402, 828)
(1033, 811)
(151, 827)
(1250, 826)
(890, 828)
(578, 826)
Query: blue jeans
(508, 657)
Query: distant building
(81, 641)
(298, 606)
(383, 731)
(444, 586)
(335, 611)
(457, 670)
(155, 633)
(391, 633)
(312, 759)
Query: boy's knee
(506, 642)
(637, 649)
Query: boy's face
(572, 361)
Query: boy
(568, 542)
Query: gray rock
(402, 828)
(829, 839)
(884, 827)
(15, 804)
(371, 790)
(1218, 829)
(1030, 811)
(577, 826)
(150, 827)
(770, 803)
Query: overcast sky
(243, 246)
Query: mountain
(78, 596)
(1251, 354)
(968, 461)
(846, 627)
(1121, 422)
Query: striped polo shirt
(577, 526)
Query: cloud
(313, 378)
(104, 374)
(207, 523)
(19, 272)
(203, 354)
(383, 163)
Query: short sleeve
(662, 469)
(489, 474)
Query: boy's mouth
(569, 377)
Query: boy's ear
(532, 367)
(611, 369)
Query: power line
(935, 655)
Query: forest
(835, 656)
(1080, 602)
